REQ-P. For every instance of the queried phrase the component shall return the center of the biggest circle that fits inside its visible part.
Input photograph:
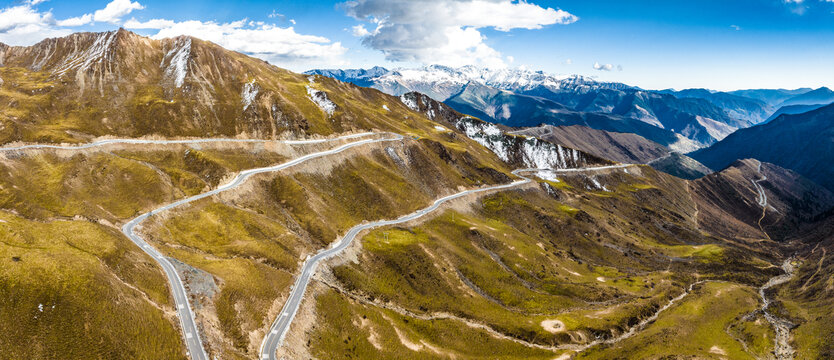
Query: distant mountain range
(793, 109)
(736, 106)
(772, 97)
(681, 120)
(822, 95)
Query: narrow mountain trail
(819, 268)
(573, 349)
(658, 159)
(634, 330)
(439, 316)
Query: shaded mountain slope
(680, 165)
(515, 110)
(772, 97)
(802, 142)
(793, 110)
(622, 147)
(729, 201)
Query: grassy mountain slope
(79, 290)
(513, 265)
(807, 299)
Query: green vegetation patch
(97, 186)
(696, 326)
(347, 330)
(77, 290)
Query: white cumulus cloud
(603, 67)
(360, 31)
(278, 45)
(115, 10)
(25, 25)
(446, 32)
(76, 21)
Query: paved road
(562, 171)
(186, 316)
(660, 158)
(168, 142)
(279, 328)
(762, 198)
(281, 325)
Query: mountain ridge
(702, 120)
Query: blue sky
(716, 44)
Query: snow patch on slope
(487, 135)
(250, 91)
(531, 152)
(547, 175)
(82, 60)
(596, 184)
(177, 60)
(321, 100)
(409, 102)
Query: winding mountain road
(171, 142)
(281, 325)
(762, 198)
(279, 328)
(782, 327)
(184, 312)
(186, 316)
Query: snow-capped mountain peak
(442, 82)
